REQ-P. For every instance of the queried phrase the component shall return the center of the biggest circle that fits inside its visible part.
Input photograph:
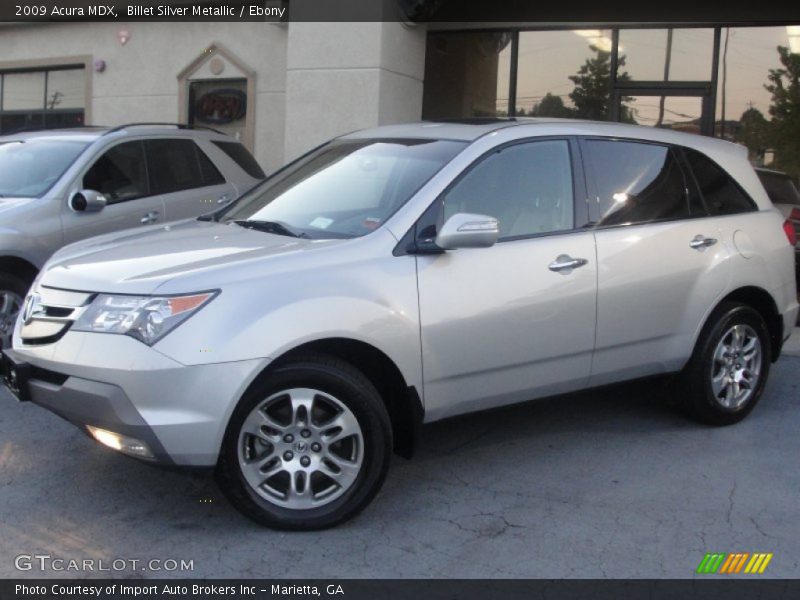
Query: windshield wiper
(275, 227)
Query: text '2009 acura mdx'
(297, 337)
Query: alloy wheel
(301, 448)
(736, 366)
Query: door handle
(223, 199)
(700, 242)
(150, 217)
(565, 263)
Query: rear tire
(725, 377)
(308, 446)
(13, 289)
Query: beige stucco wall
(313, 80)
(346, 76)
(140, 81)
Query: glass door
(688, 109)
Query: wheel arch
(19, 267)
(402, 400)
(762, 302)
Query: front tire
(726, 375)
(308, 446)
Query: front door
(120, 174)
(514, 321)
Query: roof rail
(155, 124)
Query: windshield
(29, 168)
(780, 188)
(345, 189)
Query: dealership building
(284, 87)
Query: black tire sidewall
(728, 317)
(15, 284)
(360, 397)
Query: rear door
(186, 178)
(120, 174)
(661, 263)
(510, 322)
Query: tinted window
(209, 171)
(637, 183)
(119, 174)
(527, 187)
(780, 188)
(721, 194)
(241, 157)
(175, 165)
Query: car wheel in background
(12, 294)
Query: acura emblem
(33, 306)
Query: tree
(784, 128)
(753, 132)
(551, 106)
(591, 95)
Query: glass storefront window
(66, 89)
(467, 75)
(669, 112)
(758, 99)
(42, 99)
(23, 91)
(650, 54)
(564, 74)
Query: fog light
(122, 443)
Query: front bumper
(118, 384)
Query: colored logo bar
(736, 562)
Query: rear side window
(780, 188)
(721, 193)
(176, 165)
(239, 154)
(637, 183)
(119, 174)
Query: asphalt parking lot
(602, 484)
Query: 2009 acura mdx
(296, 337)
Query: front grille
(50, 313)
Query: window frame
(592, 197)
(103, 151)
(413, 242)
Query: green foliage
(784, 128)
(592, 88)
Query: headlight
(147, 318)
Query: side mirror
(87, 201)
(464, 230)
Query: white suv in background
(406, 274)
(58, 187)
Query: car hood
(140, 261)
(9, 204)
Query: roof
(91, 133)
(467, 130)
(471, 129)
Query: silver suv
(58, 187)
(295, 338)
